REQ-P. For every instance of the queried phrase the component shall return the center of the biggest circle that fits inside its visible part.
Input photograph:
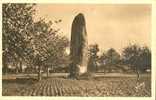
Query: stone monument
(78, 47)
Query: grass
(98, 86)
(12, 87)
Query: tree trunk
(39, 73)
(5, 68)
(20, 66)
(5, 65)
(138, 75)
(17, 68)
(47, 72)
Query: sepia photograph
(76, 50)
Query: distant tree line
(132, 58)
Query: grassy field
(101, 85)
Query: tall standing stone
(78, 47)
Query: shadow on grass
(12, 87)
(20, 81)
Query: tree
(103, 61)
(47, 45)
(145, 59)
(113, 56)
(131, 57)
(17, 19)
(93, 50)
(109, 59)
(35, 42)
(138, 58)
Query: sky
(108, 25)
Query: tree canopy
(137, 57)
(25, 39)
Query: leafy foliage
(17, 19)
(137, 57)
(93, 50)
(48, 47)
(35, 42)
(110, 57)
